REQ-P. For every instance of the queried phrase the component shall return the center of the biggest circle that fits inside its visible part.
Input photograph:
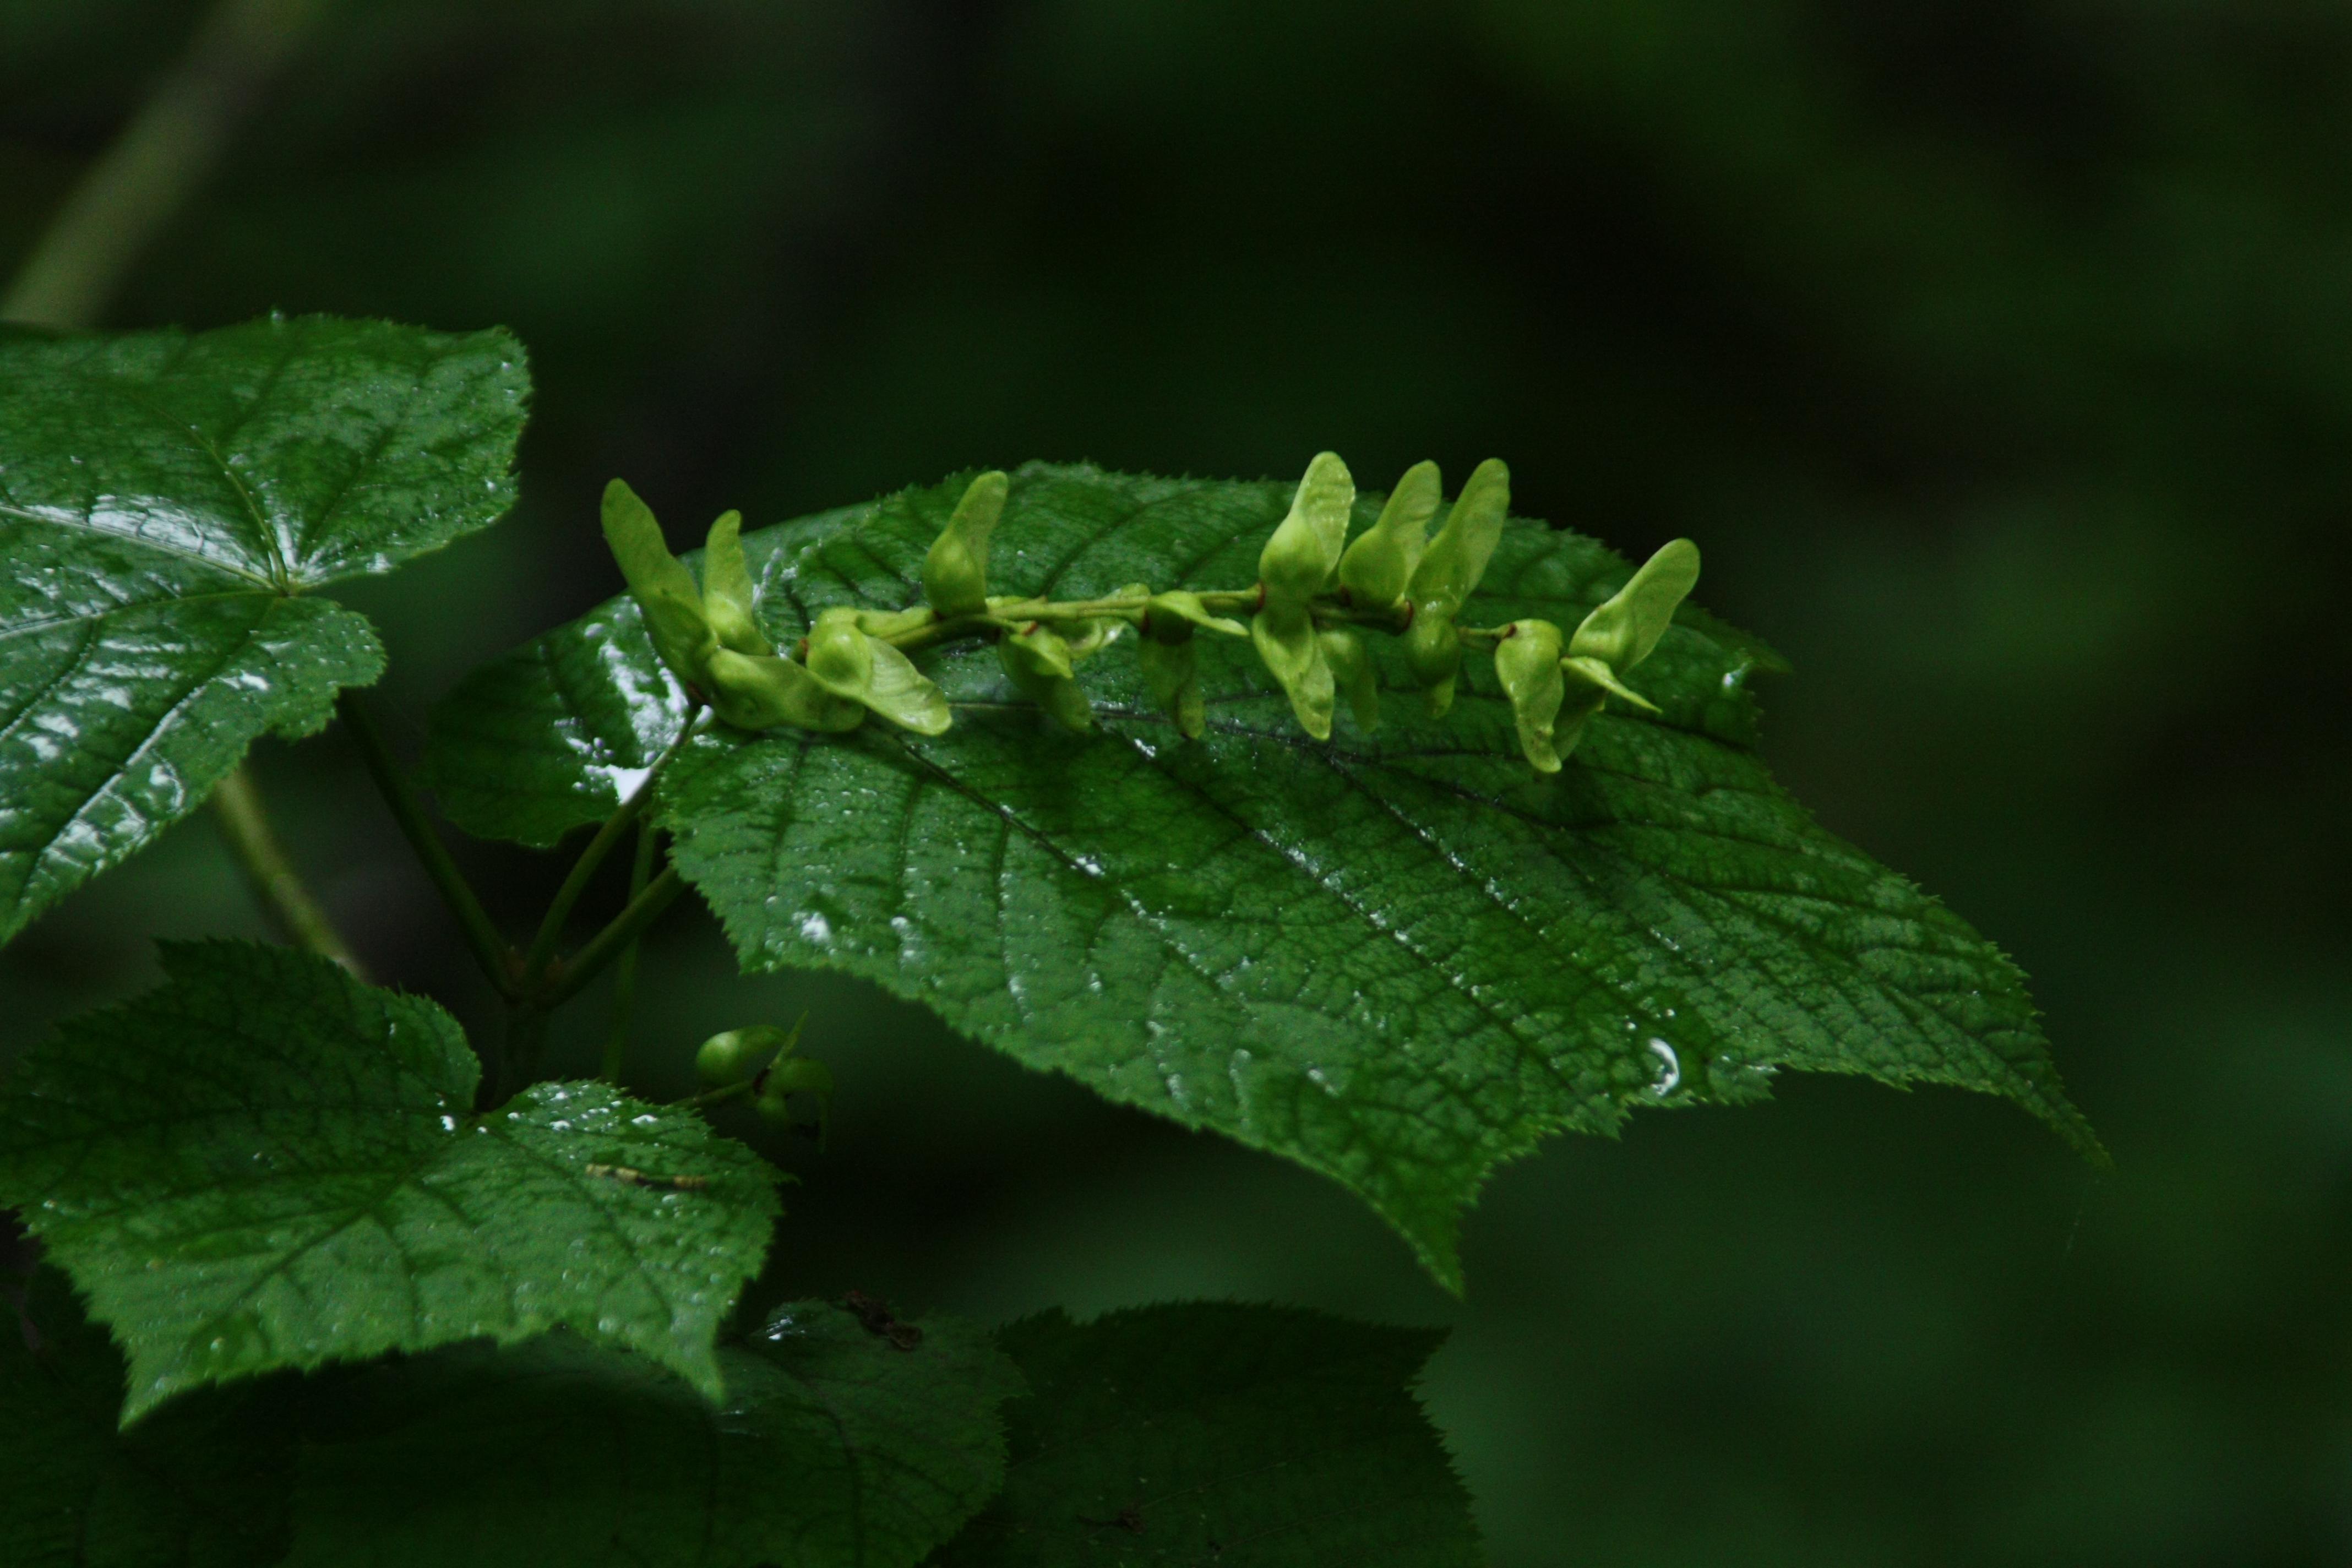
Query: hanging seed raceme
(1351, 673)
(858, 666)
(955, 573)
(727, 589)
(665, 590)
(1448, 574)
(1319, 604)
(1038, 660)
(1526, 661)
(1378, 566)
(1292, 570)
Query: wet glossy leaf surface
(265, 1164)
(1399, 957)
(556, 735)
(163, 499)
(833, 1447)
(1222, 1435)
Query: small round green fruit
(738, 1055)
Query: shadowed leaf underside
(833, 1448)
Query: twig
(564, 981)
(719, 1095)
(526, 1038)
(490, 950)
(138, 184)
(276, 884)
(624, 971)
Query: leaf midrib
(284, 578)
(128, 607)
(1529, 1051)
(138, 541)
(119, 769)
(281, 577)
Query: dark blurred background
(1998, 352)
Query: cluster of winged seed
(1316, 598)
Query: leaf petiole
(719, 1096)
(564, 981)
(244, 824)
(551, 929)
(624, 977)
(492, 952)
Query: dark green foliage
(834, 1447)
(1233, 1436)
(1399, 959)
(1227, 1436)
(268, 1168)
(266, 1164)
(163, 497)
(1998, 355)
(201, 1484)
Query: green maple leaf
(1400, 958)
(167, 501)
(265, 1163)
(1221, 1435)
